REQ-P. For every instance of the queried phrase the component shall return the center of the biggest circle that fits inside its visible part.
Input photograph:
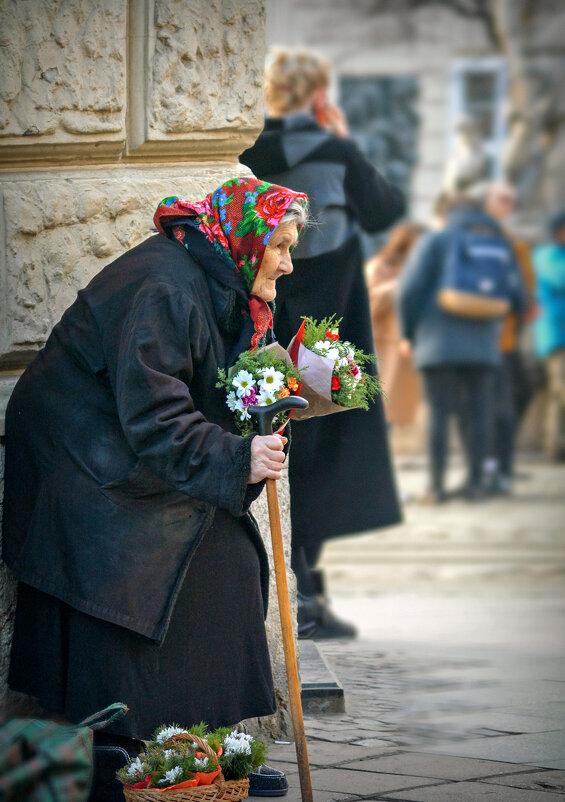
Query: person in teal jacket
(549, 330)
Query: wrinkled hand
(267, 457)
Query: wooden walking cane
(265, 416)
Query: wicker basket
(231, 791)
(227, 791)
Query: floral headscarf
(238, 219)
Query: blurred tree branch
(480, 10)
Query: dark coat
(121, 443)
(341, 478)
(440, 338)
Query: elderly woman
(304, 145)
(143, 577)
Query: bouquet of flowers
(176, 758)
(335, 370)
(258, 378)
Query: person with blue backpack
(456, 288)
(549, 330)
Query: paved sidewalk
(455, 689)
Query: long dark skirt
(213, 665)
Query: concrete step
(321, 691)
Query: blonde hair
(292, 75)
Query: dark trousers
(512, 393)
(462, 391)
(303, 562)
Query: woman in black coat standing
(341, 478)
(142, 574)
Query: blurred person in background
(400, 380)
(341, 478)
(549, 330)
(512, 385)
(456, 352)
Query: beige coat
(401, 382)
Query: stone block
(70, 70)
(439, 767)
(188, 92)
(533, 780)
(62, 229)
(64, 78)
(363, 783)
(474, 792)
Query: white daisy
(265, 398)
(231, 401)
(243, 382)
(272, 380)
(322, 345)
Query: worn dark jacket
(438, 337)
(118, 445)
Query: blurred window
(478, 90)
(381, 112)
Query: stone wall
(107, 106)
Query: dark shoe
(266, 781)
(475, 492)
(433, 497)
(329, 626)
(500, 485)
(316, 620)
(307, 615)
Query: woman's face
(276, 261)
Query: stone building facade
(107, 106)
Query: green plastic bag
(42, 761)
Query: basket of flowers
(192, 765)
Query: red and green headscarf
(238, 219)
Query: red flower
(331, 335)
(336, 384)
(271, 207)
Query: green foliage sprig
(352, 384)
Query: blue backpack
(480, 277)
